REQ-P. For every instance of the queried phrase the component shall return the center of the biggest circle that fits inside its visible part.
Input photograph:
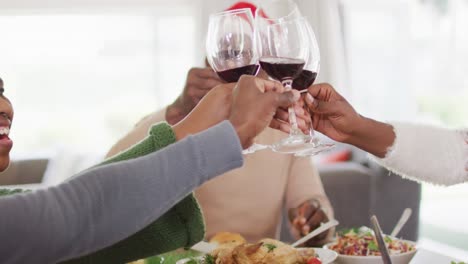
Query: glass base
(301, 146)
(319, 148)
(254, 148)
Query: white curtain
(325, 17)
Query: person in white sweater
(414, 151)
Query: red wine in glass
(282, 68)
(233, 75)
(304, 80)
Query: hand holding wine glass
(332, 114)
(284, 50)
(254, 104)
(198, 83)
(250, 105)
(303, 82)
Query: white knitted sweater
(428, 154)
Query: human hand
(304, 120)
(199, 82)
(331, 114)
(250, 105)
(214, 108)
(254, 104)
(306, 218)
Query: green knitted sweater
(181, 226)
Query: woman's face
(6, 116)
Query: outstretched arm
(107, 204)
(428, 153)
(418, 152)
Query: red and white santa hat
(242, 5)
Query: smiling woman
(6, 115)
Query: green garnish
(373, 246)
(453, 262)
(270, 247)
(192, 261)
(388, 240)
(5, 192)
(208, 259)
(349, 231)
(173, 257)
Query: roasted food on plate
(233, 249)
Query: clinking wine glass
(231, 50)
(273, 12)
(230, 44)
(284, 50)
(303, 82)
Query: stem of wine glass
(287, 84)
(314, 139)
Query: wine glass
(284, 50)
(230, 44)
(231, 49)
(303, 82)
(273, 12)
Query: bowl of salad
(359, 246)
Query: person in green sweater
(137, 203)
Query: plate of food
(358, 245)
(264, 251)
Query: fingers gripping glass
(303, 82)
(284, 51)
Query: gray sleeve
(107, 204)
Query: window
(411, 58)
(408, 60)
(81, 79)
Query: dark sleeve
(104, 205)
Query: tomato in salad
(314, 261)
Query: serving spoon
(322, 228)
(380, 241)
(403, 219)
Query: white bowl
(403, 258)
